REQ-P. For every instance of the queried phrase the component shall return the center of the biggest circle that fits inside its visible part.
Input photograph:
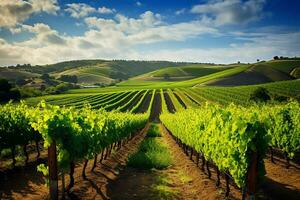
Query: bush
(69, 78)
(62, 87)
(14, 94)
(45, 76)
(7, 92)
(280, 98)
(21, 82)
(260, 95)
(26, 92)
(5, 86)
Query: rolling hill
(180, 73)
(160, 73)
(15, 74)
(89, 72)
(259, 73)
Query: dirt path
(182, 180)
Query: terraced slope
(91, 75)
(265, 72)
(210, 77)
(240, 95)
(180, 73)
(285, 66)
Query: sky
(207, 31)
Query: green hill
(91, 71)
(259, 73)
(285, 66)
(180, 73)
(160, 73)
(14, 74)
(89, 75)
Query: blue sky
(219, 31)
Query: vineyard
(222, 135)
(229, 139)
(149, 100)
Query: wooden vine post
(53, 175)
(252, 177)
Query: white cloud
(221, 12)
(148, 28)
(122, 38)
(107, 38)
(14, 12)
(260, 45)
(105, 10)
(115, 45)
(78, 10)
(44, 36)
(124, 24)
(48, 6)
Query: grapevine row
(78, 134)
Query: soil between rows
(184, 180)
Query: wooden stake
(252, 177)
(53, 176)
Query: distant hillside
(259, 73)
(143, 73)
(180, 73)
(14, 74)
(90, 71)
(91, 75)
